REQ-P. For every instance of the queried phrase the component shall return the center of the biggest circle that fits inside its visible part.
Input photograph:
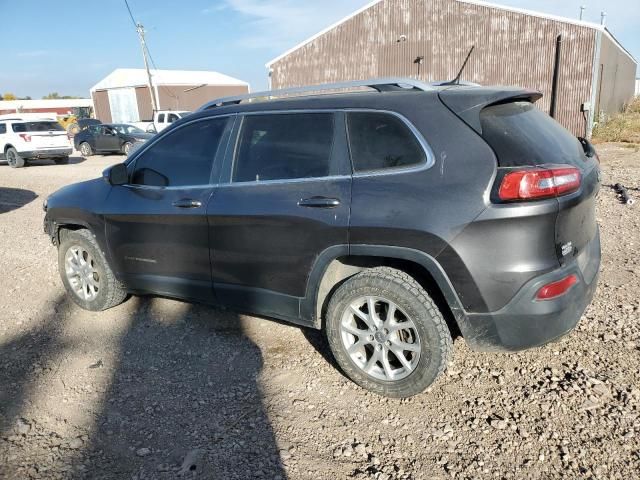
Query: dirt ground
(159, 389)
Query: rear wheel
(86, 274)
(387, 334)
(61, 160)
(13, 158)
(85, 149)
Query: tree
(9, 96)
(51, 96)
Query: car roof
(463, 96)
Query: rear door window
(381, 141)
(522, 135)
(183, 158)
(284, 147)
(37, 127)
(161, 118)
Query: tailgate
(52, 139)
(576, 225)
(523, 137)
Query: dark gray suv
(392, 219)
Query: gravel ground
(158, 389)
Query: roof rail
(381, 85)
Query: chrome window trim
(430, 159)
(425, 165)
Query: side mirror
(116, 175)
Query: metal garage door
(124, 107)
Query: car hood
(141, 137)
(79, 195)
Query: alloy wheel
(82, 273)
(381, 339)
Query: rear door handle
(319, 202)
(187, 203)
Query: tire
(61, 160)
(104, 291)
(13, 158)
(85, 149)
(417, 331)
(126, 148)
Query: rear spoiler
(468, 102)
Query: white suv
(23, 139)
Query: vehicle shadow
(183, 398)
(14, 198)
(73, 160)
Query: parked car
(24, 139)
(391, 220)
(161, 120)
(109, 138)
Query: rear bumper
(524, 322)
(47, 153)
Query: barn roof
(137, 77)
(556, 18)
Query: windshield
(37, 127)
(127, 129)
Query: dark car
(392, 220)
(109, 138)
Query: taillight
(555, 289)
(539, 183)
(25, 136)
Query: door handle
(187, 203)
(319, 202)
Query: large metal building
(430, 39)
(125, 96)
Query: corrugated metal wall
(511, 49)
(145, 107)
(617, 73)
(101, 106)
(175, 97)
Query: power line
(135, 24)
(145, 47)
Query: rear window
(522, 135)
(381, 141)
(36, 127)
(284, 147)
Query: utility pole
(582, 9)
(143, 44)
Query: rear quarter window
(36, 127)
(381, 141)
(522, 135)
(3, 128)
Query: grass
(622, 128)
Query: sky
(69, 46)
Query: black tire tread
(410, 285)
(116, 293)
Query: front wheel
(85, 272)
(126, 148)
(387, 334)
(85, 149)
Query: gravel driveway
(159, 389)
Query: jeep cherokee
(392, 219)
